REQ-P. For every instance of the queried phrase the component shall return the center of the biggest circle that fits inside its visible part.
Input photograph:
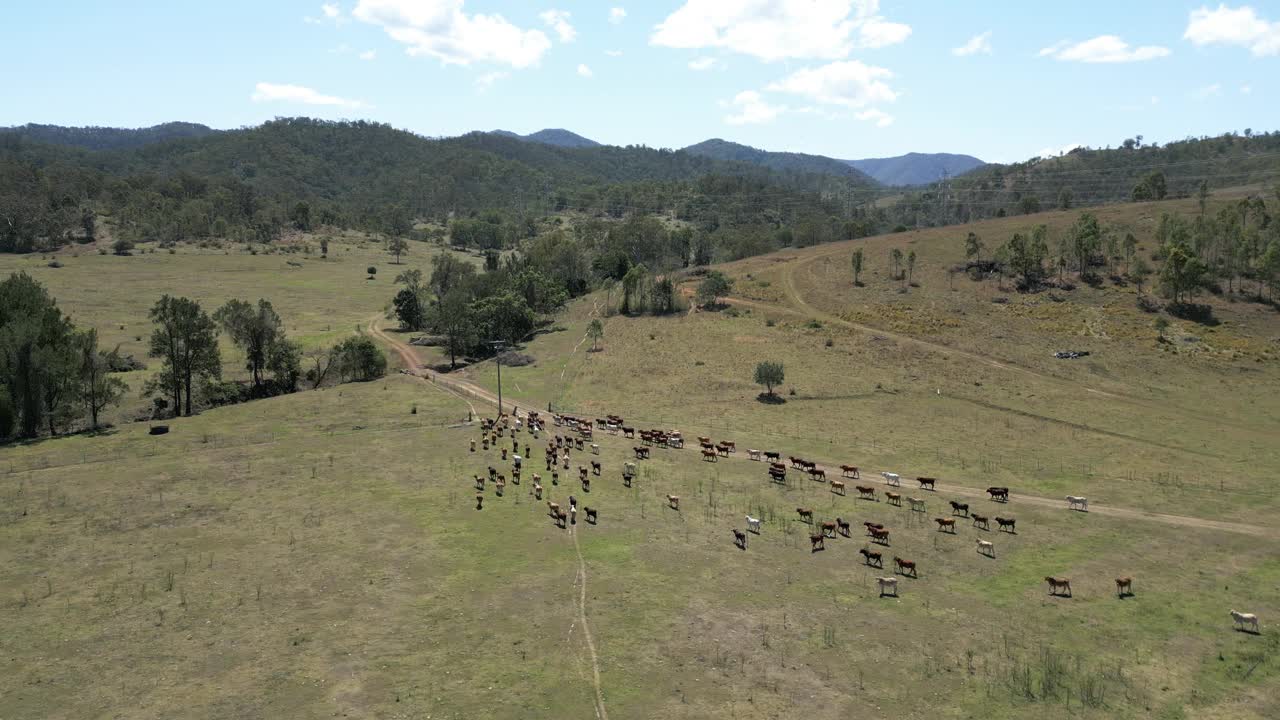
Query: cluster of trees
(471, 310)
(52, 375)
(1239, 246)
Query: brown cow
(710, 455)
(818, 474)
(872, 558)
(927, 483)
(595, 467)
(723, 449)
(593, 514)
(740, 539)
(894, 498)
(806, 514)
(981, 521)
(865, 493)
(906, 567)
(837, 487)
(772, 456)
(999, 494)
(673, 501)
(843, 526)
(642, 453)
(1057, 584)
(730, 444)
(829, 529)
(1124, 586)
(1007, 524)
(816, 543)
(850, 471)
(879, 536)
(959, 508)
(946, 524)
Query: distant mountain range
(552, 136)
(904, 170)
(718, 149)
(916, 168)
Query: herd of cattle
(558, 457)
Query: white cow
(986, 547)
(1075, 502)
(753, 454)
(753, 524)
(1243, 619)
(888, 586)
(892, 479)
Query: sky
(1004, 81)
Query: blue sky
(844, 78)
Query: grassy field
(321, 554)
(320, 300)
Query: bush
(359, 359)
(122, 247)
(1147, 303)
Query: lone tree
(713, 287)
(398, 246)
(324, 247)
(595, 331)
(98, 388)
(911, 265)
(372, 271)
(256, 331)
(895, 262)
(187, 339)
(857, 266)
(1139, 271)
(973, 247)
(770, 375)
(1162, 325)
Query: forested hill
(108, 138)
(916, 168)
(1090, 176)
(782, 161)
(252, 184)
(552, 136)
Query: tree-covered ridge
(109, 138)
(251, 184)
(1090, 176)
(782, 161)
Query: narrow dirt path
(466, 387)
(586, 627)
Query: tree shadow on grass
(768, 399)
(1197, 313)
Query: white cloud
(617, 15)
(368, 55)
(779, 29)
(585, 71)
(613, 53)
(1103, 49)
(558, 20)
(1242, 27)
(329, 13)
(881, 118)
(486, 81)
(271, 92)
(440, 29)
(1246, 90)
(703, 63)
(848, 82)
(1208, 91)
(978, 44)
(1050, 152)
(752, 109)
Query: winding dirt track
(463, 388)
